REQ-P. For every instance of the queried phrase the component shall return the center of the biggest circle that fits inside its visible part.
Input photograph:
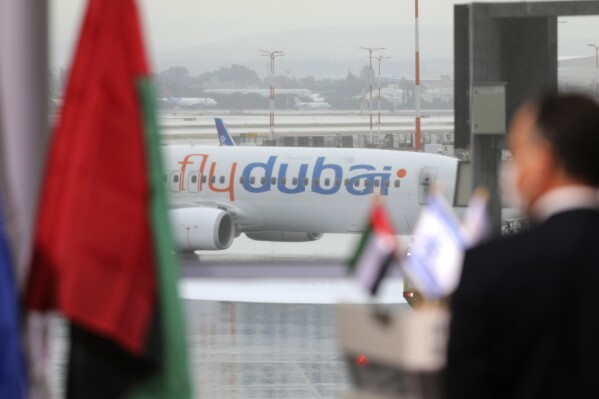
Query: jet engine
(202, 228)
(283, 236)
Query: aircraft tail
(297, 102)
(224, 138)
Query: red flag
(93, 255)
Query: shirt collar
(565, 199)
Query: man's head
(555, 143)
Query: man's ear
(546, 161)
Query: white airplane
(311, 105)
(293, 194)
(190, 102)
(186, 102)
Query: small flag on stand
(103, 251)
(477, 227)
(377, 250)
(434, 264)
(435, 260)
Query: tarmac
(261, 320)
(242, 350)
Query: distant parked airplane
(311, 104)
(187, 102)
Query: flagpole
(24, 102)
(23, 137)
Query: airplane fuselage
(317, 190)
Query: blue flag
(435, 261)
(12, 362)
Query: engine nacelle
(283, 236)
(202, 228)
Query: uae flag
(102, 249)
(377, 250)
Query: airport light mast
(370, 51)
(380, 58)
(272, 55)
(417, 81)
(596, 69)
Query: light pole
(272, 55)
(417, 79)
(370, 51)
(596, 68)
(380, 58)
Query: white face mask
(511, 196)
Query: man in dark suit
(525, 317)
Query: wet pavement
(251, 350)
(248, 350)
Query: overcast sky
(180, 24)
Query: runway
(267, 272)
(198, 126)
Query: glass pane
(334, 121)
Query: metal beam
(543, 9)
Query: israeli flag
(434, 264)
(477, 226)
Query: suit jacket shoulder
(519, 306)
(534, 257)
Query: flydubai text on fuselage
(277, 192)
